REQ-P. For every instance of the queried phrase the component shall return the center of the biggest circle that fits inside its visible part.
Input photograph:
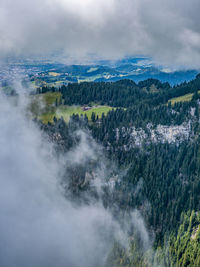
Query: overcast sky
(168, 31)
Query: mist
(38, 226)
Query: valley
(138, 155)
(99, 133)
(153, 137)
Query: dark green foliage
(162, 179)
(125, 93)
(184, 247)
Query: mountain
(151, 134)
(44, 73)
(124, 151)
(135, 71)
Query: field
(67, 111)
(89, 79)
(43, 106)
(92, 69)
(184, 98)
(54, 74)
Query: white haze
(169, 31)
(38, 225)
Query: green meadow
(184, 98)
(67, 111)
(43, 106)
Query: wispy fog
(39, 226)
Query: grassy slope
(184, 98)
(43, 107)
(67, 111)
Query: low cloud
(168, 31)
(38, 226)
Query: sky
(168, 31)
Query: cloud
(166, 30)
(38, 226)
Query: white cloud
(38, 226)
(166, 30)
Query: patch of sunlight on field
(92, 69)
(89, 79)
(93, 78)
(54, 74)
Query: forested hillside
(155, 142)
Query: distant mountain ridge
(56, 74)
(136, 69)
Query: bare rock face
(130, 137)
